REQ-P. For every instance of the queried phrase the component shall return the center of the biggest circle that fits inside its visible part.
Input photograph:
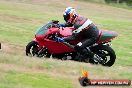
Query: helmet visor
(66, 17)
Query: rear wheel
(106, 53)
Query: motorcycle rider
(83, 27)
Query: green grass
(122, 5)
(32, 73)
(95, 1)
(20, 19)
(25, 80)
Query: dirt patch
(12, 49)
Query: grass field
(19, 20)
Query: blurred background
(19, 20)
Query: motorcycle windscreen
(43, 30)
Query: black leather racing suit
(88, 31)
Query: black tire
(101, 51)
(32, 48)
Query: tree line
(128, 2)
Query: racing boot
(81, 54)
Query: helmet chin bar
(73, 18)
(66, 17)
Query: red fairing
(51, 31)
(53, 46)
(57, 47)
(65, 32)
(39, 42)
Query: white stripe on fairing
(88, 22)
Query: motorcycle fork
(41, 50)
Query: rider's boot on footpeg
(81, 54)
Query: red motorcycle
(44, 45)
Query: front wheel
(32, 48)
(106, 53)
